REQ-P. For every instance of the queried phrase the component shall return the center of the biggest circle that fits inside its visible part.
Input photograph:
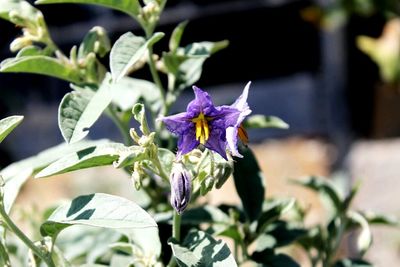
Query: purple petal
(231, 140)
(226, 116)
(217, 142)
(242, 106)
(202, 103)
(187, 142)
(178, 123)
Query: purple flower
(236, 130)
(181, 187)
(203, 123)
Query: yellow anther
(202, 130)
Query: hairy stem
(176, 234)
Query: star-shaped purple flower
(203, 123)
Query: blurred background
(329, 68)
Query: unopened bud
(181, 187)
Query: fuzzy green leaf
(79, 110)
(272, 211)
(99, 210)
(100, 155)
(128, 50)
(176, 36)
(262, 121)
(201, 249)
(249, 183)
(42, 65)
(7, 125)
(130, 7)
(16, 174)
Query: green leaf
(201, 249)
(323, 187)
(176, 36)
(272, 211)
(262, 121)
(128, 50)
(249, 183)
(42, 65)
(381, 219)
(147, 240)
(205, 214)
(120, 260)
(186, 63)
(352, 263)
(99, 210)
(22, 8)
(101, 155)
(268, 258)
(79, 110)
(16, 174)
(130, 7)
(7, 125)
(364, 240)
(128, 91)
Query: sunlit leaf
(7, 125)
(42, 65)
(364, 239)
(201, 249)
(262, 121)
(16, 174)
(79, 110)
(273, 210)
(99, 210)
(130, 7)
(100, 155)
(128, 50)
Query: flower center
(202, 129)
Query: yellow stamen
(202, 129)
(243, 135)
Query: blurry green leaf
(231, 231)
(352, 263)
(94, 156)
(7, 125)
(128, 50)
(264, 242)
(285, 233)
(147, 240)
(364, 239)
(121, 260)
(166, 158)
(128, 91)
(176, 36)
(85, 242)
(16, 174)
(262, 121)
(130, 7)
(204, 214)
(201, 249)
(99, 210)
(268, 258)
(272, 211)
(42, 65)
(186, 63)
(130, 155)
(79, 110)
(96, 40)
(29, 51)
(324, 187)
(249, 183)
(373, 218)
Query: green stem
(4, 255)
(176, 234)
(46, 257)
(121, 127)
(160, 169)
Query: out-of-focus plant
(385, 51)
(335, 13)
(211, 146)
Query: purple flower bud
(181, 187)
